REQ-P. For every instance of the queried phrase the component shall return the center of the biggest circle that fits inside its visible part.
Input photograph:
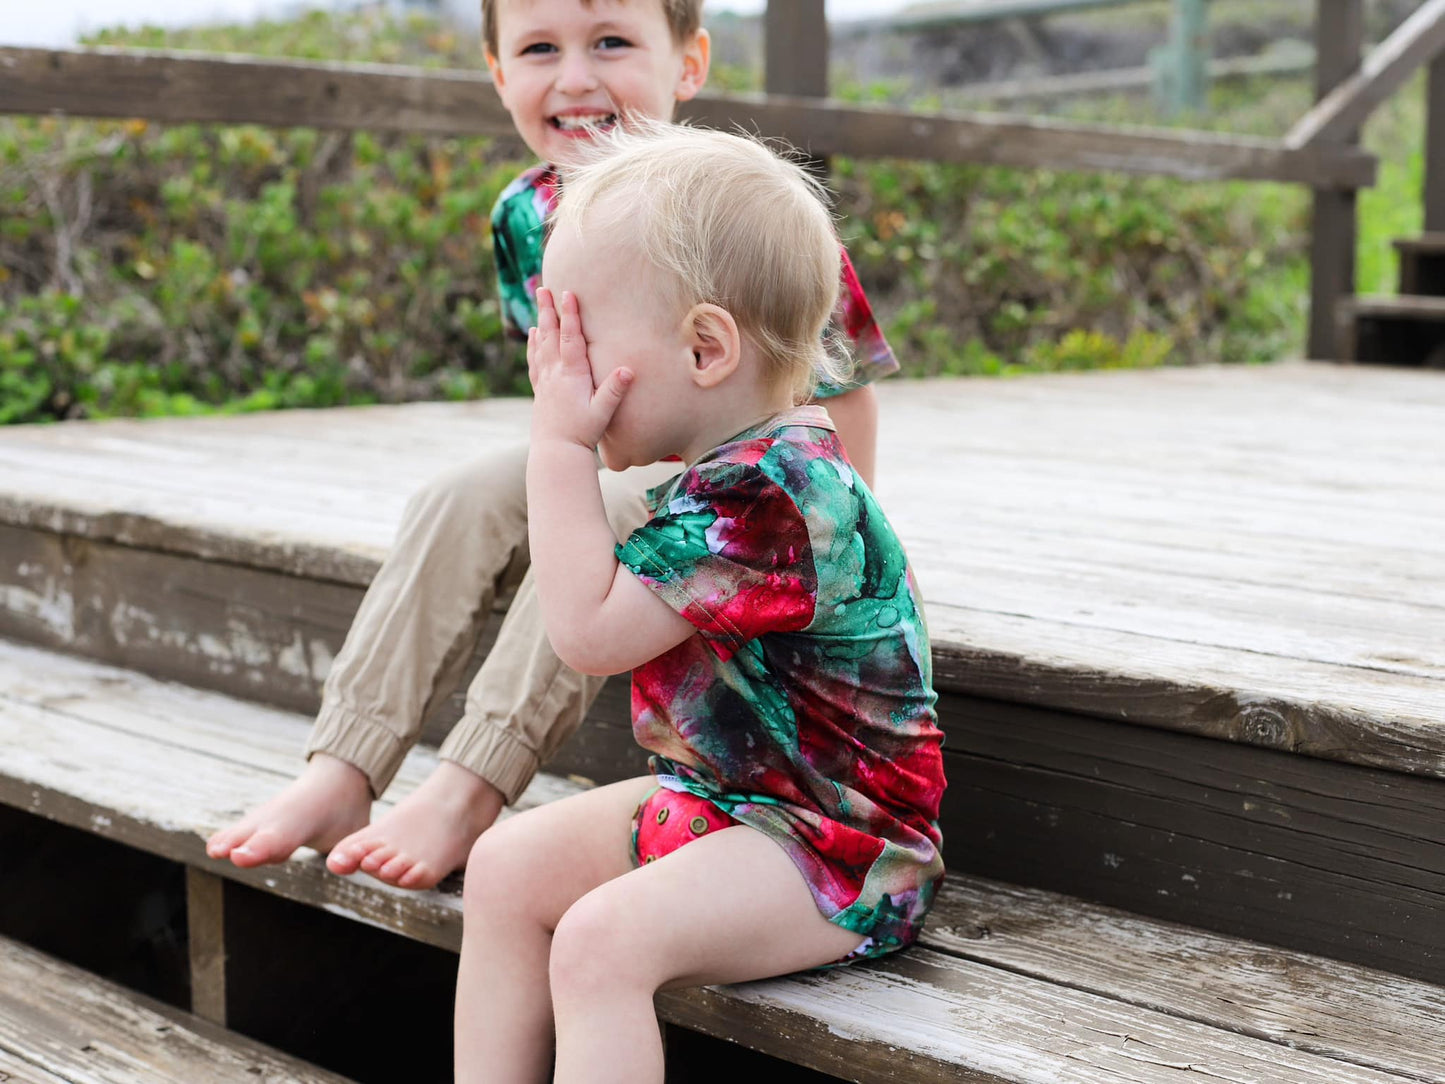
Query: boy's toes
(377, 857)
(261, 847)
(345, 858)
(222, 843)
(419, 875)
(395, 870)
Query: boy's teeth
(580, 121)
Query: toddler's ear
(716, 344)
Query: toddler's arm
(600, 619)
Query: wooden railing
(1321, 152)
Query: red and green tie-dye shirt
(518, 221)
(804, 705)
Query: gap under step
(1406, 330)
(1422, 264)
(1010, 984)
(62, 1025)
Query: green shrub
(148, 269)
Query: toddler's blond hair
(734, 225)
(684, 19)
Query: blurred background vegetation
(171, 270)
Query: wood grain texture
(206, 930)
(84, 1030)
(1325, 858)
(1250, 554)
(154, 765)
(173, 87)
(1339, 37)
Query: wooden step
(62, 1025)
(1404, 330)
(1185, 623)
(1422, 264)
(1010, 984)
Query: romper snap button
(662, 815)
(650, 858)
(698, 825)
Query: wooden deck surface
(1008, 983)
(1256, 554)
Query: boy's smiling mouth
(583, 122)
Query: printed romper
(804, 707)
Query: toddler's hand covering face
(567, 407)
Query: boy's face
(628, 319)
(565, 69)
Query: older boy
(564, 69)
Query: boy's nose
(575, 76)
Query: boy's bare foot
(329, 800)
(424, 836)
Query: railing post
(1435, 147)
(795, 53)
(1181, 68)
(1339, 37)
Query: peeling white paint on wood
(53, 607)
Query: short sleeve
(872, 356)
(518, 230)
(730, 552)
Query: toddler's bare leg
(531, 869)
(729, 907)
(412, 637)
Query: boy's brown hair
(684, 17)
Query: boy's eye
(539, 48)
(612, 41)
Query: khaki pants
(460, 538)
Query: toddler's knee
(594, 951)
(496, 872)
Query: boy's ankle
(334, 773)
(465, 791)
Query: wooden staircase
(1408, 329)
(1186, 629)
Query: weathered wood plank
(1308, 1002)
(249, 632)
(795, 49)
(980, 1024)
(206, 929)
(1325, 858)
(236, 89)
(85, 1030)
(1026, 143)
(1435, 146)
(1339, 37)
(167, 756)
(15, 1071)
(1340, 113)
(1273, 571)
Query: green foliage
(1000, 269)
(170, 270)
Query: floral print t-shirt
(804, 705)
(518, 229)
